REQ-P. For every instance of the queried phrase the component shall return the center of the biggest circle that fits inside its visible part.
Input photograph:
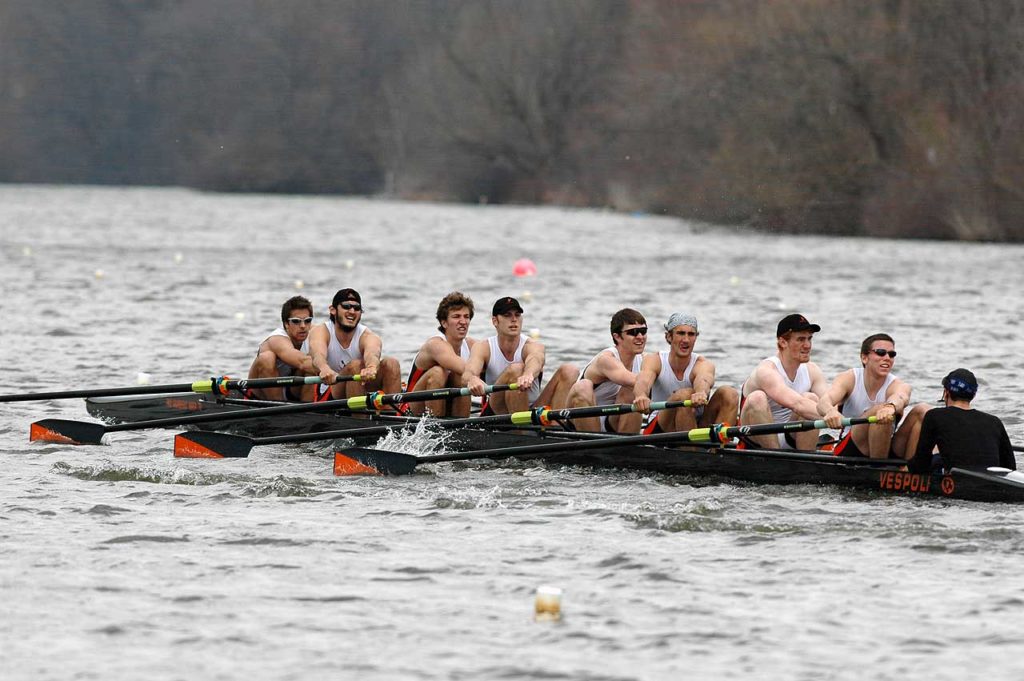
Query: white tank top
(282, 368)
(497, 364)
(859, 401)
(801, 384)
(338, 356)
(606, 391)
(667, 383)
(463, 351)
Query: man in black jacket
(966, 437)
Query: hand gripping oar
(202, 444)
(65, 431)
(362, 461)
(225, 445)
(219, 385)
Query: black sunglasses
(300, 320)
(351, 306)
(638, 331)
(882, 353)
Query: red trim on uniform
(323, 393)
(414, 377)
(653, 427)
(846, 447)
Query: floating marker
(734, 280)
(178, 257)
(534, 334)
(299, 283)
(27, 251)
(349, 264)
(547, 605)
(142, 378)
(239, 316)
(524, 267)
(99, 274)
(526, 296)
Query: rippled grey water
(120, 562)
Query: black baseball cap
(961, 384)
(505, 305)
(346, 294)
(795, 322)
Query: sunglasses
(300, 320)
(638, 331)
(351, 306)
(882, 353)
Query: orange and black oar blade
(363, 461)
(205, 444)
(66, 432)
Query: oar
(211, 445)
(218, 384)
(362, 461)
(65, 431)
(202, 444)
(1017, 448)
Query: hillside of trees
(889, 117)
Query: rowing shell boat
(766, 466)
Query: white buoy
(349, 264)
(526, 296)
(299, 283)
(178, 257)
(239, 316)
(534, 334)
(142, 378)
(26, 251)
(99, 274)
(547, 605)
(734, 280)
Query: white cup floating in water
(547, 605)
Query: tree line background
(880, 117)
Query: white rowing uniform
(283, 368)
(667, 384)
(338, 355)
(801, 384)
(606, 391)
(859, 401)
(497, 364)
(463, 351)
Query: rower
(965, 437)
(610, 376)
(873, 390)
(285, 352)
(511, 357)
(441, 360)
(680, 374)
(344, 346)
(785, 387)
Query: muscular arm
(769, 380)
(649, 370)
(287, 353)
(898, 395)
(318, 339)
(440, 352)
(370, 347)
(478, 358)
(610, 368)
(533, 361)
(703, 379)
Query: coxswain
(681, 374)
(343, 346)
(285, 352)
(965, 437)
(610, 376)
(512, 357)
(873, 390)
(441, 360)
(785, 387)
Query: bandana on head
(680, 319)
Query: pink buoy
(524, 267)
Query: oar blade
(204, 444)
(363, 461)
(66, 432)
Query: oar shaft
(219, 384)
(710, 434)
